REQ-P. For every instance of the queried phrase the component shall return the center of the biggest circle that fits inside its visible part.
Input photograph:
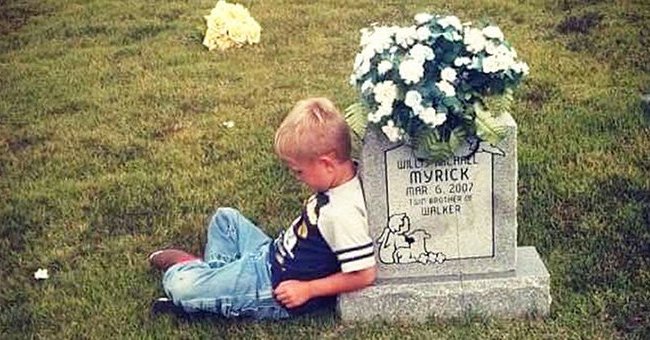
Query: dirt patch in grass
(14, 16)
(582, 24)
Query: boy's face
(314, 173)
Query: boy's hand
(292, 293)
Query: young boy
(327, 250)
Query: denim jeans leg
(230, 236)
(240, 288)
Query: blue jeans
(234, 277)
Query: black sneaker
(166, 306)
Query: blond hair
(314, 127)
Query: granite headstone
(445, 235)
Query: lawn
(112, 145)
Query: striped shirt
(331, 235)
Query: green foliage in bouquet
(436, 85)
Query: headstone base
(521, 293)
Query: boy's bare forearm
(343, 282)
(294, 293)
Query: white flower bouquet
(230, 25)
(436, 85)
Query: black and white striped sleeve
(346, 232)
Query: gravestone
(445, 236)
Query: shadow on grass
(318, 319)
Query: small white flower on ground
(451, 20)
(447, 88)
(474, 40)
(411, 70)
(423, 33)
(413, 99)
(406, 36)
(423, 18)
(384, 66)
(448, 74)
(493, 32)
(460, 61)
(41, 274)
(228, 124)
(421, 52)
(385, 92)
(391, 131)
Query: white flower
(373, 117)
(521, 67)
(385, 92)
(413, 99)
(376, 41)
(448, 74)
(493, 32)
(439, 119)
(491, 64)
(41, 274)
(524, 68)
(447, 88)
(474, 40)
(421, 52)
(423, 18)
(382, 111)
(228, 124)
(230, 25)
(455, 36)
(367, 85)
(406, 36)
(494, 48)
(460, 61)
(411, 70)
(431, 117)
(384, 66)
(363, 69)
(451, 20)
(391, 131)
(423, 33)
(353, 79)
(365, 36)
(358, 59)
(498, 62)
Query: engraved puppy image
(398, 244)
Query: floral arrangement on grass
(436, 85)
(230, 25)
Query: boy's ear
(328, 161)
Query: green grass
(111, 146)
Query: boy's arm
(294, 293)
